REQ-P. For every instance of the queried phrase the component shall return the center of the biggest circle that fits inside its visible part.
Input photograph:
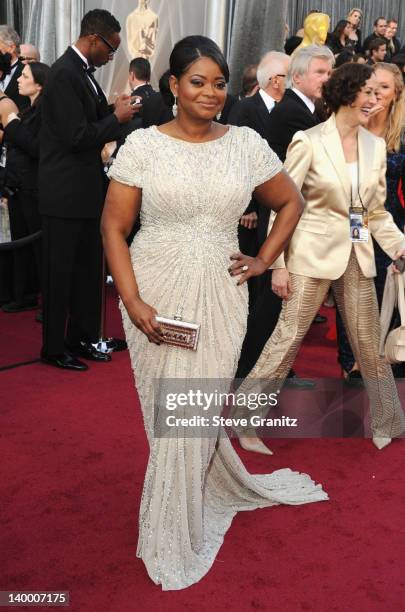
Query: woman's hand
(280, 283)
(246, 266)
(400, 254)
(143, 317)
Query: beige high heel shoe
(380, 442)
(255, 445)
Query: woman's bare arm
(121, 209)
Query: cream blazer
(320, 246)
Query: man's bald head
(29, 53)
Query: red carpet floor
(73, 455)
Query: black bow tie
(89, 70)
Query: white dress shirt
(5, 82)
(307, 101)
(84, 59)
(268, 100)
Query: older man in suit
(10, 43)
(76, 124)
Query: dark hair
(375, 44)
(40, 74)
(399, 60)
(377, 20)
(344, 85)
(344, 57)
(393, 20)
(164, 88)
(357, 56)
(340, 26)
(141, 68)
(5, 64)
(190, 49)
(99, 21)
(249, 79)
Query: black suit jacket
(288, 117)
(251, 112)
(76, 124)
(23, 102)
(22, 139)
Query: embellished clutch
(179, 333)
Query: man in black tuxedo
(10, 43)
(76, 124)
(254, 112)
(310, 68)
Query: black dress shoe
(64, 361)
(87, 350)
(320, 319)
(295, 382)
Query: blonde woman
(388, 123)
(354, 16)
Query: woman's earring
(174, 107)
(218, 115)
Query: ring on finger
(245, 268)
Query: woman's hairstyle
(190, 49)
(340, 26)
(40, 74)
(5, 64)
(164, 88)
(396, 117)
(303, 57)
(344, 85)
(355, 10)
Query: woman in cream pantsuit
(322, 161)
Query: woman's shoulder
(141, 135)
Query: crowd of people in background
(268, 102)
(295, 168)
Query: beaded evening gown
(193, 195)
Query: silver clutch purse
(179, 333)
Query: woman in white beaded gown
(191, 180)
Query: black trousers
(262, 320)
(72, 282)
(25, 220)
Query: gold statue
(142, 29)
(316, 28)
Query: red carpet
(73, 455)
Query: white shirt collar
(80, 54)
(267, 99)
(140, 85)
(6, 79)
(307, 101)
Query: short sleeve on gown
(264, 162)
(129, 165)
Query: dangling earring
(174, 107)
(218, 115)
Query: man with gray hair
(254, 111)
(310, 68)
(10, 43)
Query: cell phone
(400, 264)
